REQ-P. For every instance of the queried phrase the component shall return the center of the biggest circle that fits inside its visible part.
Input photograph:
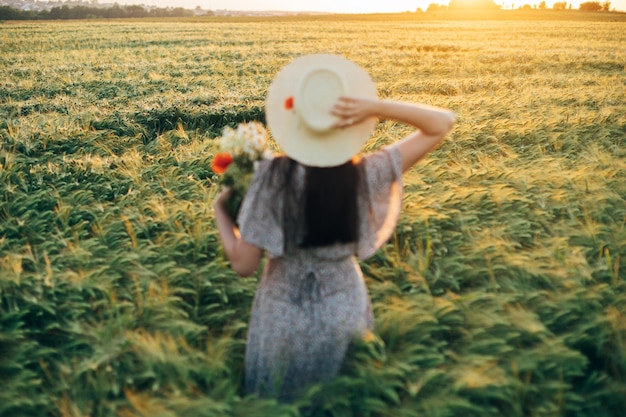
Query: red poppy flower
(289, 103)
(220, 162)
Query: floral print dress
(310, 303)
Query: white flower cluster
(249, 139)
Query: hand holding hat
(314, 109)
(352, 110)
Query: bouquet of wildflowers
(239, 151)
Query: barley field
(501, 293)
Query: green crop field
(501, 293)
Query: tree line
(589, 6)
(83, 12)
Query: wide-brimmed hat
(298, 105)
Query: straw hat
(298, 107)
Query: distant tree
(560, 5)
(590, 6)
(434, 7)
(472, 4)
(543, 6)
(135, 11)
(419, 10)
(526, 7)
(606, 6)
(180, 12)
(62, 12)
(9, 13)
(113, 12)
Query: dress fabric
(311, 302)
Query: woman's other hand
(222, 198)
(243, 256)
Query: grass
(500, 293)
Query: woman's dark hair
(325, 211)
(330, 205)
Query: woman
(314, 212)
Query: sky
(337, 6)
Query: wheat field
(501, 293)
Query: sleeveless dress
(310, 303)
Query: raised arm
(431, 123)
